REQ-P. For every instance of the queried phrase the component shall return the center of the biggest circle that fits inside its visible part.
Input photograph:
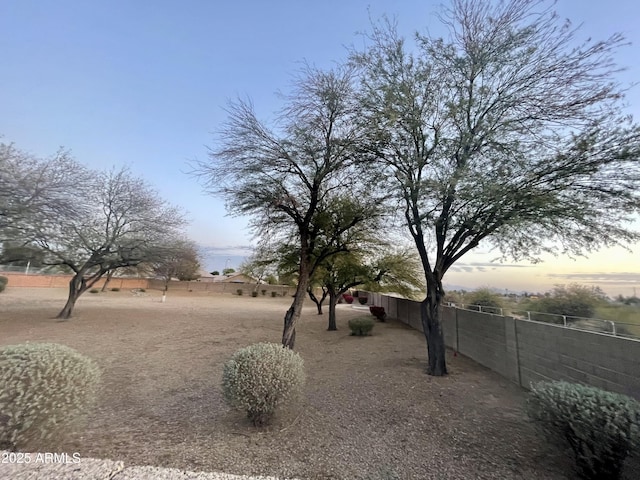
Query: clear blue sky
(143, 82)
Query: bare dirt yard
(369, 412)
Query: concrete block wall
(527, 351)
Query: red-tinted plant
(378, 312)
(348, 298)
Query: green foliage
(601, 428)
(239, 291)
(3, 283)
(274, 294)
(572, 300)
(115, 289)
(215, 272)
(361, 326)
(254, 293)
(264, 292)
(260, 378)
(46, 389)
(484, 297)
(228, 271)
(94, 290)
(142, 290)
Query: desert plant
(3, 283)
(142, 290)
(94, 290)
(378, 312)
(254, 294)
(260, 378)
(264, 292)
(239, 291)
(601, 428)
(115, 289)
(363, 300)
(274, 294)
(46, 390)
(348, 298)
(361, 326)
(484, 297)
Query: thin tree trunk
(333, 300)
(107, 280)
(76, 288)
(293, 314)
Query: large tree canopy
(509, 132)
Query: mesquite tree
(119, 222)
(281, 176)
(508, 132)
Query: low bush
(599, 427)
(115, 289)
(254, 294)
(239, 291)
(274, 294)
(348, 298)
(142, 290)
(3, 283)
(361, 326)
(260, 378)
(94, 290)
(363, 300)
(46, 390)
(378, 312)
(264, 292)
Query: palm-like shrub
(601, 428)
(46, 390)
(262, 377)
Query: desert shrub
(254, 294)
(239, 291)
(264, 292)
(484, 297)
(363, 300)
(46, 390)
(601, 428)
(274, 294)
(348, 298)
(115, 289)
(573, 300)
(142, 290)
(361, 326)
(378, 312)
(94, 290)
(3, 283)
(260, 378)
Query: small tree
(179, 259)
(572, 300)
(119, 221)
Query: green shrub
(260, 378)
(3, 280)
(142, 290)
(572, 300)
(601, 428)
(239, 291)
(264, 292)
(484, 297)
(115, 289)
(46, 390)
(361, 326)
(94, 290)
(254, 294)
(274, 294)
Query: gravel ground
(369, 412)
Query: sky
(144, 84)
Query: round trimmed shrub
(262, 377)
(46, 389)
(94, 290)
(3, 283)
(600, 428)
(361, 326)
(115, 289)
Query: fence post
(564, 320)
(528, 315)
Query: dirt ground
(370, 411)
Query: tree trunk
(333, 300)
(77, 286)
(107, 280)
(432, 326)
(293, 314)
